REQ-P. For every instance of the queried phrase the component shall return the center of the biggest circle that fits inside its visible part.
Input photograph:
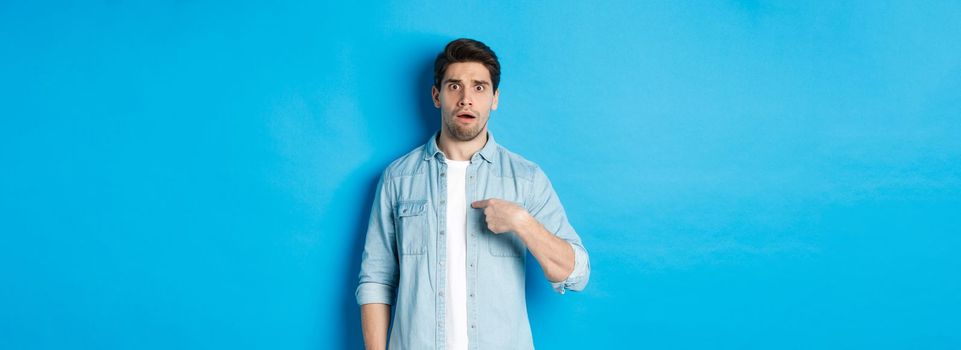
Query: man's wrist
(527, 226)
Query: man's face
(465, 99)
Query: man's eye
(479, 88)
(454, 86)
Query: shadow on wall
(420, 53)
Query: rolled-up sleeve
(545, 206)
(378, 267)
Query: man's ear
(435, 95)
(497, 93)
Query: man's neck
(461, 150)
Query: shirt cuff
(374, 293)
(578, 277)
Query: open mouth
(466, 116)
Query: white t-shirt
(456, 328)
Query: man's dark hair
(467, 50)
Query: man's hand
(503, 216)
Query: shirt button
(441, 173)
(442, 232)
(471, 295)
(442, 263)
(441, 293)
(473, 326)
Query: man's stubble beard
(464, 133)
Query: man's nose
(465, 100)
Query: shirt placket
(441, 254)
(472, 251)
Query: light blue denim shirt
(404, 260)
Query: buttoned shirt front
(404, 259)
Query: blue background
(745, 174)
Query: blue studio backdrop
(745, 174)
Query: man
(451, 224)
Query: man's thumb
(479, 204)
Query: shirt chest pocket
(506, 244)
(412, 226)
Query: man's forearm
(555, 255)
(374, 319)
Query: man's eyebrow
(458, 81)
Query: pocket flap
(411, 208)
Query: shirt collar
(487, 153)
